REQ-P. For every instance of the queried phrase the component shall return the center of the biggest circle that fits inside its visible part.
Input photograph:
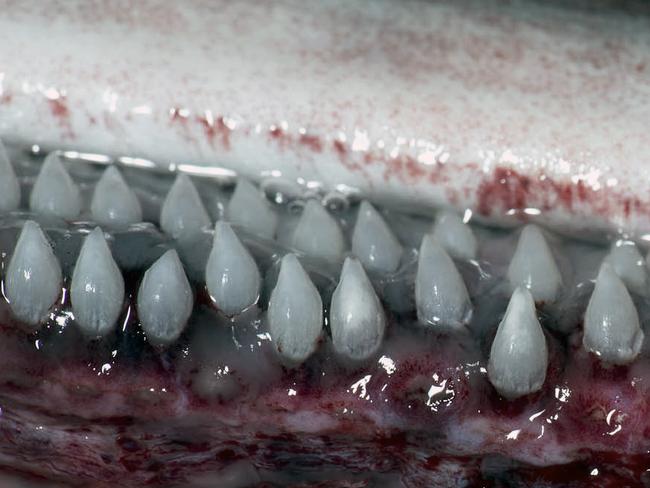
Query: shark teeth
(629, 265)
(231, 274)
(54, 192)
(519, 356)
(357, 319)
(318, 234)
(440, 293)
(164, 300)
(373, 242)
(33, 280)
(247, 208)
(9, 186)
(534, 267)
(455, 236)
(183, 215)
(114, 203)
(97, 289)
(295, 313)
(612, 329)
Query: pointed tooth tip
(114, 203)
(519, 355)
(455, 235)
(232, 276)
(54, 192)
(373, 241)
(9, 186)
(357, 319)
(318, 234)
(183, 214)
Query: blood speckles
(61, 112)
(312, 142)
(214, 128)
(6, 98)
(340, 149)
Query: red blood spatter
(60, 111)
(216, 128)
(6, 98)
(340, 149)
(312, 142)
(175, 115)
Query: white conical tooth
(164, 300)
(373, 242)
(628, 263)
(318, 234)
(231, 273)
(54, 193)
(518, 357)
(183, 214)
(455, 236)
(114, 202)
(250, 210)
(533, 266)
(612, 329)
(97, 289)
(440, 293)
(357, 318)
(295, 313)
(33, 279)
(9, 186)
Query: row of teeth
(518, 359)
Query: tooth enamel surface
(54, 193)
(97, 289)
(295, 313)
(519, 356)
(612, 329)
(455, 236)
(318, 234)
(114, 203)
(250, 210)
(231, 274)
(440, 293)
(357, 318)
(533, 266)
(183, 214)
(164, 300)
(373, 242)
(33, 278)
(9, 186)
(629, 265)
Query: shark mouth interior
(305, 339)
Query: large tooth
(183, 214)
(164, 300)
(97, 289)
(9, 186)
(373, 242)
(518, 357)
(231, 274)
(250, 210)
(295, 313)
(114, 202)
(440, 293)
(33, 279)
(318, 234)
(455, 236)
(533, 266)
(612, 329)
(628, 263)
(54, 192)
(357, 319)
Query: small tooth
(164, 300)
(9, 186)
(54, 192)
(357, 319)
(250, 210)
(295, 312)
(518, 357)
(455, 236)
(97, 289)
(533, 266)
(183, 214)
(231, 274)
(612, 329)
(629, 265)
(373, 242)
(33, 279)
(114, 203)
(440, 293)
(318, 234)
